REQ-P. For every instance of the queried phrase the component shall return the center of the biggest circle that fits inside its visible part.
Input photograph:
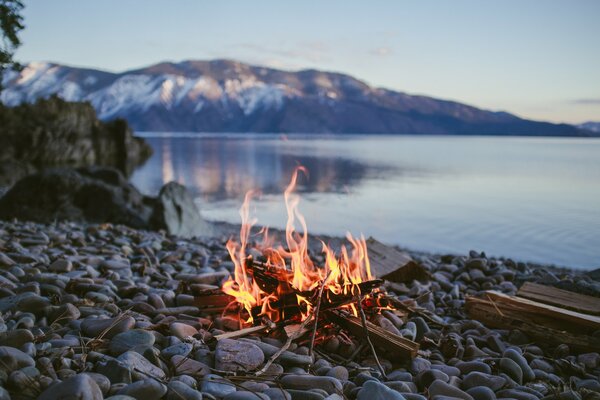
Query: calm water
(532, 199)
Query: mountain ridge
(229, 96)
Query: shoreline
(105, 310)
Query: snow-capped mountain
(590, 126)
(228, 96)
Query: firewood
(488, 312)
(242, 332)
(390, 342)
(542, 314)
(214, 301)
(560, 298)
(393, 265)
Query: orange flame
(338, 275)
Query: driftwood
(388, 341)
(542, 314)
(392, 264)
(499, 315)
(560, 298)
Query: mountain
(590, 126)
(228, 96)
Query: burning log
(560, 298)
(214, 301)
(390, 342)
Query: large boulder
(54, 133)
(176, 212)
(84, 195)
(98, 195)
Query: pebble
(146, 389)
(234, 355)
(12, 359)
(512, 369)
(373, 390)
(81, 387)
(107, 327)
(473, 379)
(305, 382)
(441, 388)
(216, 386)
(139, 363)
(125, 341)
(180, 391)
(63, 282)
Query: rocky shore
(107, 311)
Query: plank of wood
(544, 314)
(214, 301)
(392, 264)
(487, 312)
(392, 343)
(560, 298)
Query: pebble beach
(107, 311)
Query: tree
(11, 23)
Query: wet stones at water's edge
(105, 311)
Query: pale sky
(537, 59)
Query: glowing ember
(340, 275)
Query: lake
(530, 199)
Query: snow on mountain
(139, 92)
(229, 96)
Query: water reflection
(217, 169)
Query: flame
(339, 275)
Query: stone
(147, 389)
(246, 396)
(338, 372)
(512, 369)
(287, 358)
(12, 359)
(514, 355)
(81, 387)
(305, 382)
(217, 386)
(187, 366)
(125, 341)
(91, 194)
(115, 371)
(277, 394)
(234, 355)
(180, 391)
(179, 349)
(469, 366)
(176, 212)
(473, 379)
(425, 378)
(102, 381)
(373, 390)
(106, 327)
(61, 266)
(181, 330)
(482, 393)
(16, 338)
(139, 363)
(441, 388)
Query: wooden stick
(363, 320)
(241, 333)
(392, 343)
(314, 331)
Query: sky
(537, 59)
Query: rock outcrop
(98, 195)
(53, 132)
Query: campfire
(279, 286)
